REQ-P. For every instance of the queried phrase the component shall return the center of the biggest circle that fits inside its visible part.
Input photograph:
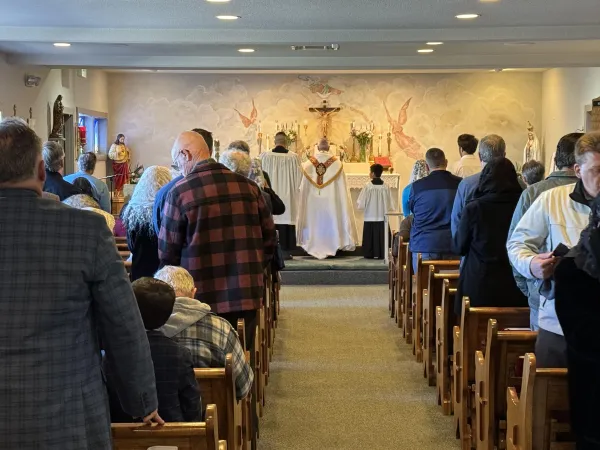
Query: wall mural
(420, 110)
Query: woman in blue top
(420, 170)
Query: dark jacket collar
(377, 181)
(280, 149)
(579, 194)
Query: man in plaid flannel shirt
(209, 337)
(217, 226)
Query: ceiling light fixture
(228, 17)
(334, 47)
(468, 16)
(246, 50)
(434, 43)
(218, 1)
(425, 50)
(62, 44)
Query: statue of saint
(58, 120)
(120, 155)
(532, 149)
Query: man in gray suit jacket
(63, 288)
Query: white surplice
(376, 200)
(285, 173)
(326, 221)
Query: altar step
(341, 270)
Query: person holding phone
(558, 216)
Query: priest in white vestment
(326, 221)
(283, 169)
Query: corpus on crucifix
(325, 112)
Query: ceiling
(373, 35)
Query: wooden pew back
(444, 321)
(400, 274)
(539, 416)
(421, 281)
(495, 371)
(184, 436)
(470, 337)
(407, 296)
(432, 298)
(217, 386)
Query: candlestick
(389, 143)
(259, 141)
(379, 148)
(268, 141)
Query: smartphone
(561, 250)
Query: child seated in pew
(376, 201)
(208, 336)
(176, 387)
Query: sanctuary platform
(350, 269)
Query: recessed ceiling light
(62, 44)
(246, 50)
(468, 16)
(434, 43)
(228, 17)
(425, 50)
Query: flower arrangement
(364, 138)
(291, 136)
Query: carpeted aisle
(342, 377)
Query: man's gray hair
(237, 161)
(87, 162)
(53, 155)
(241, 146)
(491, 147)
(178, 278)
(19, 150)
(587, 143)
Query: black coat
(486, 275)
(143, 245)
(55, 184)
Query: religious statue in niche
(58, 119)
(532, 149)
(407, 144)
(247, 121)
(120, 155)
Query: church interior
(355, 352)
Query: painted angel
(407, 144)
(245, 120)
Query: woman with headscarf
(137, 219)
(486, 275)
(577, 301)
(420, 170)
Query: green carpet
(342, 377)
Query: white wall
(566, 93)
(90, 93)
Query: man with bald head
(284, 171)
(326, 221)
(161, 195)
(217, 225)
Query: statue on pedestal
(58, 120)
(532, 147)
(120, 155)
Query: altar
(357, 175)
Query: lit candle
(305, 122)
(389, 128)
(352, 126)
(259, 126)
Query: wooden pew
(400, 274)
(432, 298)
(444, 322)
(183, 435)
(392, 282)
(495, 371)
(406, 297)
(217, 386)
(539, 416)
(467, 339)
(420, 279)
(247, 426)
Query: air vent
(316, 47)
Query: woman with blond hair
(137, 219)
(420, 170)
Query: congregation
(201, 241)
(512, 245)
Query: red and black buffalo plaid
(218, 227)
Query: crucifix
(325, 112)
